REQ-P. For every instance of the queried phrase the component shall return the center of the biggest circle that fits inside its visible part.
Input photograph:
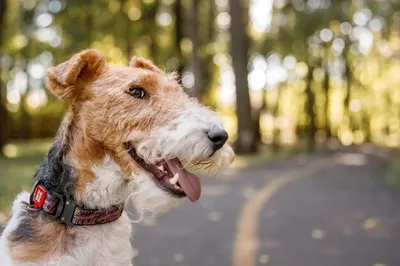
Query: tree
(326, 87)
(312, 129)
(121, 28)
(3, 110)
(195, 60)
(246, 137)
(179, 22)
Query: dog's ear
(67, 80)
(140, 62)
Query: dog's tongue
(189, 182)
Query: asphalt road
(327, 210)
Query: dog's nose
(218, 136)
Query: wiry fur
(90, 162)
(187, 128)
(107, 244)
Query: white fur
(11, 226)
(185, 138)
(109, 188)
(112, 188)
(103, 245)
(109, 244)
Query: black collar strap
(63, 208)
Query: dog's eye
(137, 92)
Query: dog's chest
(107, 244)
(109, 187)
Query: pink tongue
(189, 182)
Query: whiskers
(147, 200)
(213, 165)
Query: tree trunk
(310, 110)
(349, 77)
(208, 33)
(179, 22)
(327, 90)
(153, 28)
(3, 110)
(3, 8)
(195, 38)
(366, 126)
(128, 31)
(257, 112)
(25, 118)
(128, 40)
(89, 21)
(246, 141)
(211, 21)
(276, 131)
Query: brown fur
(104, 116)
(102, 110)
(50, 240)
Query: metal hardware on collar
(28, 206)
(32, 197)
(39, 195)
(68, 212)
(65, 209)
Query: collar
(64, 208)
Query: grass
(23, 158)
(266, 154)
(393, 172)
(16, 170)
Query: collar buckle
(38, 196)
(66, 210)
(41, 199)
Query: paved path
(325, 210)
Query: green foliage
(393, 172)
(47, 32)
(16, 172)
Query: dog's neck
(78, 166)
(81, 167)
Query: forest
(279, 72)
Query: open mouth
(170, 176)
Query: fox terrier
(130, 133)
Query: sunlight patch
(318, 234)
(371, 223)
(356, 159)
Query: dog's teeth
(174, 180)
(160, 167)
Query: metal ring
(29, 206)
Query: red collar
(63, 208)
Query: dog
(130, 134)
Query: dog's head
(141, 111)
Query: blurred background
(289, 78)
